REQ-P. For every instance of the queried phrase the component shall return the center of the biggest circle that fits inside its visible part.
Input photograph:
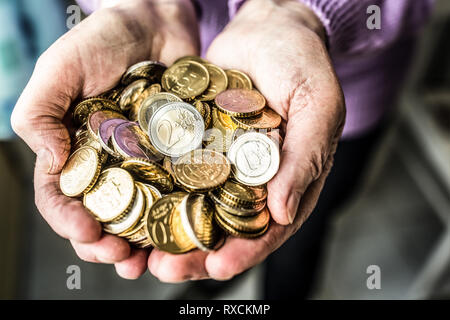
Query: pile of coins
(175, 158)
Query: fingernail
(292, 207)
(45, 160)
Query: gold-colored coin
(150, 70)
(202, 170)
(138, 236)
(238, 80)
(80, 172)
(150, 91)
(240, 234)
(186, 79)
(197, 216)
(113, 94)
(87, 106)
(159, 226)
(131, 93)
(86, 141)
(235, 208)
(243, 194)
(252, 224)
(205, 111)
(220, 137)
(150, 172)
(151, 104)
(218, 82)
(180, 236)
(112, 195)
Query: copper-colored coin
(150, 172)
(267, 120)
(186, 79)
(202, 170)
(238, 80)
(240, 234)
(87, 106)
(132, 92)
(252, 224)
(80, 172)
(240, 103)
(218, 82)
(159, 224)
(235, 208)
(112, 195)
(96, 118)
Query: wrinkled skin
(279, 44)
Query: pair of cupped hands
(278, 43)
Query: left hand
(280, 45)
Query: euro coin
(150, 70)
(267, 120)
(187, 79)
(133, 115)
(149, 172)
(87, 106)
(218, 82)
(236, 208)
(131, 218)
(240, 103)
(243, 194)
(151, 104)
(178, 232)
(112, 195)
(255, 158)
(252, 224)
(202, 170)
(131, 94)
(176, 128)
(158, 223)
(80, 172)
(97, 117)
(238, 80)
(130, 141)
(105, 131)
(240, 234)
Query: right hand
(86, 61)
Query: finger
(109, 249)
(314, 125)
(134, 266)
(173, 268)
(66, 216)
(237, 254)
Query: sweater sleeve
(345, 22)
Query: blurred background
(399, 220)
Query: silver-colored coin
(255, 158)
(130, 219)
(153, 103)
(176, 128)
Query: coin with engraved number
(187, 79)
(112, 195)
(240, 103)
(87, 106)
(131, 93)
(176, 128)
(218, 82)
(255, 158)
(80, 172)
(130, 141)
(158, 223)
(153, 103)
(267, 120)
(202, 170)
(131, 218)
(150, 70)
(238, 80)
(150, 172)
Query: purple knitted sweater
(370, 64)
